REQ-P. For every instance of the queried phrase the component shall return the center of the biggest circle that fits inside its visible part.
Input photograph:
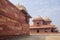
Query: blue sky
(49, 8)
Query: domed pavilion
(42, 25)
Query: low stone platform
(34, 37)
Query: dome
(21, 7)
(38, 18)
(53, 26)
(46, 19)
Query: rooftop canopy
(21, 7)
(38, 18)
(46, 19)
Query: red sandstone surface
(12, 20)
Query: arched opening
(52, 30)
(37, 30)
(38, 23)
(46, 30)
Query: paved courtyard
(34, 37)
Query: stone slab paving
(32, 37)
(52, 38)
(35, 37)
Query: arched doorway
(52, 30)
(37, 30)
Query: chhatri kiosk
(42, 25)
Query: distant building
(13, 20)
(41, 25)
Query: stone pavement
(35, 37)
(52, 38)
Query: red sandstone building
(42, 26)
(13, 20)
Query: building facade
(13, 21)
(42, 26)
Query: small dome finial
(38, 18)
(21, 7)
(46, 18)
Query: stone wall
(12, 20)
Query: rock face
(12, 20)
